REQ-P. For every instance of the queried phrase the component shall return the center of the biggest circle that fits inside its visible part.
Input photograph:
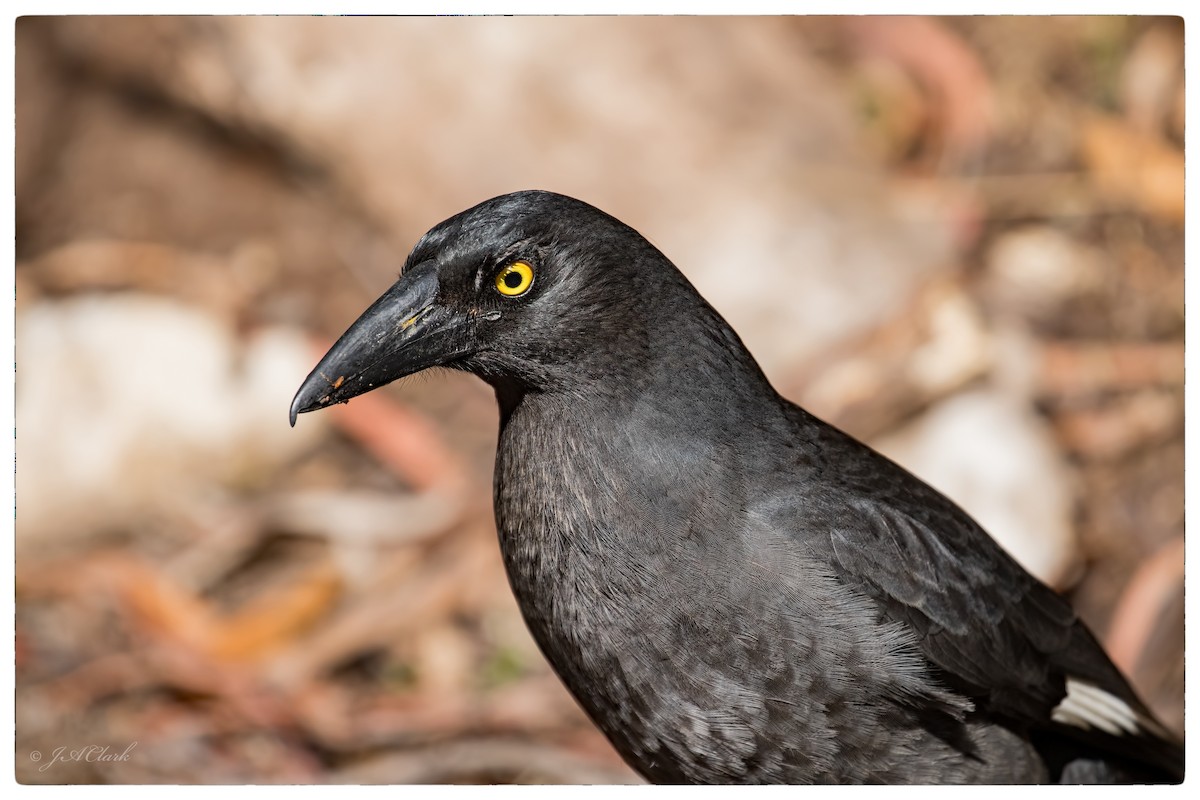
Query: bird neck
(694, 368)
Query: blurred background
(961, 239)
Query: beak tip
(295, 409)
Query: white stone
(126, 404)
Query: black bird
(734, 590)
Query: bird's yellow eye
(515, 279)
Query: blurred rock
(996, 459)
(762, 190)
(127, 405)
(1036, 270)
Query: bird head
(518, 290)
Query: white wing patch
(1087, 706)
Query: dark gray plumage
(734, 590)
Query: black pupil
(513, 279)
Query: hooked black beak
(404, 331)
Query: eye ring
(515, 279)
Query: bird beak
(404, 331)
